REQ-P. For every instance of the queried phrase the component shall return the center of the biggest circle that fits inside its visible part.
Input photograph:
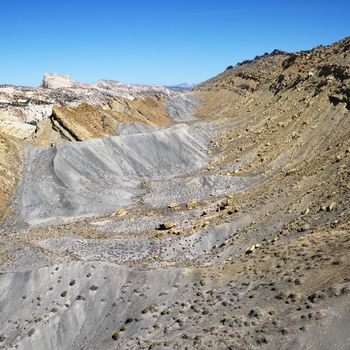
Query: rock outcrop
(62, 110)
(35, 105)
(56, 81)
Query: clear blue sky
(153, 41)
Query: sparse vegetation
(149, 308)
(31, 332)
(166, 311)
(34, 123)
(116, 334)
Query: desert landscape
(151, 217)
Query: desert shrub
(34, 123)
(116, 334)
(149, 308)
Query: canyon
(146, 217)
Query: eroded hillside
(62, 110)
(227, 228)
(9, 171)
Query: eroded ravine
(228, 230)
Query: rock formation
(56, 81)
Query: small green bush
(116, 334)
(149, 308)
(64, 294)
(34, 123)
(165, 311)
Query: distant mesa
(111, 87)
(56, 81)
(183, 86)
(186, 85)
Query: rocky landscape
(141, 217)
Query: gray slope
(181, 107)
(90, 312)
(98, 176)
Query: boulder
(121, 212)
(192, 204)
(173, 205)
(166, 225)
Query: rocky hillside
(23, 108)
(9, 171)
(322, 72)
(221, 221)
(62, 110)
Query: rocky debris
(228, 205)
(253, 248)
(329, 207)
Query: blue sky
(152, 41)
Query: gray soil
(98, 176)
(182, 106)
(226, 230)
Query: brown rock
(192, 204)
(121, 212)
(174, 231)
(331, 206)
(252, 248)
(173, 205)
(167, 225)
